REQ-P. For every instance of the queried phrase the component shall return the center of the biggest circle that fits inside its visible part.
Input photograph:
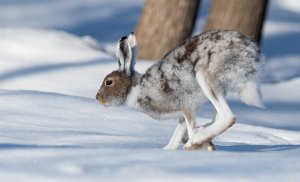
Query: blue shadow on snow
(256, 148)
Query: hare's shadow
(255, 148)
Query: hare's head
(117, 84)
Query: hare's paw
(209, 146)
(188, 146)
(199, 141)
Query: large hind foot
(206, 134)
(209, 146)
(225, 117)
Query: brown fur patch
(231, 44)
(146, 76)
(190, 47)
(195, 61)
(209, 56)
(241, 36)
(146, 100)
(214, 37)
(166, 87)
(149, 103)
(118, 90)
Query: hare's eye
(108, 82)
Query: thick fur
(170, 85)
(227, 61)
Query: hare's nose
(100, 98)
(97, 96)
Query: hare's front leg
(179, 136)
(225, 117)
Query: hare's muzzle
(100, 98)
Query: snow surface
(52, 128)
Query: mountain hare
(203, 68)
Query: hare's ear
(132, 40)
(125, 54)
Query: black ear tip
(123, 38)
(132, 33)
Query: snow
(290, 5)
(273, 28)
(53, 129)
(49, 136)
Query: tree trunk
(163, 25)
(245, 16)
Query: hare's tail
(250, 94)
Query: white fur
(251, 95)
(132, 40)
(120, 57)
(126, 63)
(131, 99)
(224, 118)
(177, 137)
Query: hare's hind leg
(225, 117)
(190, 120)
(180, 135)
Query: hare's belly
(171, 105)
(164, 115)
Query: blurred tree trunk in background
(245, 16)
(163, 25)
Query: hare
(203, 68)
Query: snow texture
(53, 129)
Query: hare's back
(226, 54)
(170, 84)
(230, 57)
